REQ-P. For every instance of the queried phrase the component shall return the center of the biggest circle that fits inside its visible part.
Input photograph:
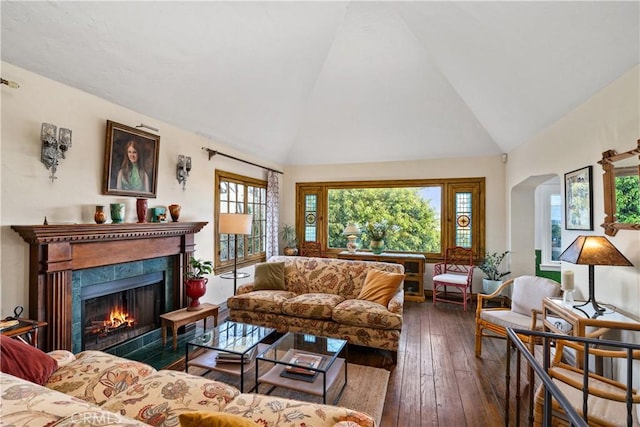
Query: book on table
(228, 357)
(302, 362)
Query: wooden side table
(582, 321)
(178, 318)
(26, 331)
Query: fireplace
(117, 311)
(58, 252)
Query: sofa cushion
(311, 306)
(96, 376)
(260, 301)
(214, 419)
(278, 411)
(159, 399)
(380, 286)
(356, 312)
(24, 361)
(25, 404)
(269, 276)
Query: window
(431, 214)
(241, 194)
(550, 216)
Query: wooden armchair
(526, 306)
(608, 402)
(455, 272)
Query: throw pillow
(380, 286)
(24, 361)
(214, 419)
(269, 276)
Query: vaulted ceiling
(334, 82)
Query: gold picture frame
(130, 161)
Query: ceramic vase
(100, 217)
(117, 213)
(141, 210)
(195, 289)
(377, 246)
(174, 210)
(490, 286)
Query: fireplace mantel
(56, 250)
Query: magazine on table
(303, 361)
(226, 357)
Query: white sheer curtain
(273, 211)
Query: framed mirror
(621, 190)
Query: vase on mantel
(141, 209)
(174, 211)
(100, 217)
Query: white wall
(491, 168)
(608, 120)
(28, 195)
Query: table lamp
(235, 223)
(593, 250)
(352, 232)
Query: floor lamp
(593, 250)
(235, 224)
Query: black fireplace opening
(120, 310)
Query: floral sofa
(320, 296)
(94, 388)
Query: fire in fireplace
(117, 311)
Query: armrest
(245, 288)
(495, 294)
(438, 268)
(396, 303)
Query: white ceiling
(334, 82)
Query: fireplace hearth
(117, 311)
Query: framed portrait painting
(130, 161)
(578, 199)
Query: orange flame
(117, 317)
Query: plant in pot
(196, 283)
(377, 232)
(288, 236)
(491, 268)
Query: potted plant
(196, 283)
(288, 236)
(377, 232)
(491, 268)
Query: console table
(413, 269)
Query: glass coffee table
(230, 348)
(305, 363)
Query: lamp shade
(351, 229)
(593, 250)
(229, 223)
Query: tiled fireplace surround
(63, 258)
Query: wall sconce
(53, 149)
(182, 170)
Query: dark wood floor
(437, 380)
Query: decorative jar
(100, 217)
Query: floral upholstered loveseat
(98, 389)
(320, 296)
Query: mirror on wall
(621, 190)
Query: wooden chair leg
(478, 340)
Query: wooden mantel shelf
(72, 232)
(55, 251)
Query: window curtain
(273, 211)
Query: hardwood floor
(437, 380)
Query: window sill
(550, 267)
